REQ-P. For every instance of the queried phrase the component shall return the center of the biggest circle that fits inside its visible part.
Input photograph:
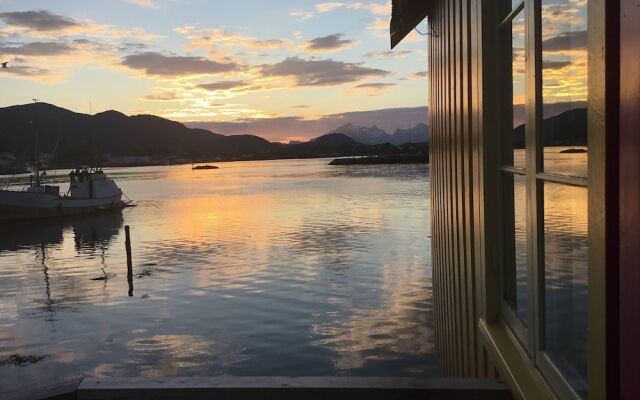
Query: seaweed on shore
(18, 360)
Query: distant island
(68, 139)
(573, 151)
(206, 166)
(568, 128)
(411, 153)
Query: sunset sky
(272, 68)
(284, 70)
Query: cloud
(132, 46)
(328, 43)
(326, 7)
(162, 96)
(38, 20)
(268, 44)
(576, 40)
(300, 106)
(213, 39)
(37, 49)
(375, 87)
(301, 14)
(51, 61)
(26, 71)
(223, 85)
(43, 24)
(389, 54)
(548, 64)
(375, 8)
(419, 75)
(556, 15)
(157, 64)
(320, 72)
(143, 3)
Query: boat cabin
(90, 183)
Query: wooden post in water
(127, 244)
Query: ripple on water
(266, 268)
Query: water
(259, 268)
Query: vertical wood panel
(455, 174)
(478, 280)
(629, 191)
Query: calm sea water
(258, 268)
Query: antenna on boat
(94, 141)
(37, 156)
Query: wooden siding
(457, 162)
(629, 193)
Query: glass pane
(512, 95)
(506, 6)
(564, 87)
(565, 288)
(518, 88)
(515, 242)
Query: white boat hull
(15, 205)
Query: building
(536, 247)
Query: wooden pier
(282, 388)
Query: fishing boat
(90, 190)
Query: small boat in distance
(205, 166)
(90, 190)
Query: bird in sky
(4, 64)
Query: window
(544, 159)
(515, 306)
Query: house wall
(464, 151)
(629, 195)
(456, 165)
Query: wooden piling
(127, 244)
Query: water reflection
(259, 268)
(566, 277)
(90, 232)
(91, 236)
(565, 267)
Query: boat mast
(93, 137)
(37, 158)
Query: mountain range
(78, 139)
(375, 135)
(569, 128)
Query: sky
(283, 70)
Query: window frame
(522, 331)
(529, 338)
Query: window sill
(514, 366)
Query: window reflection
(564, 87)
(565, 277)
(515, 262)
(518, 89)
